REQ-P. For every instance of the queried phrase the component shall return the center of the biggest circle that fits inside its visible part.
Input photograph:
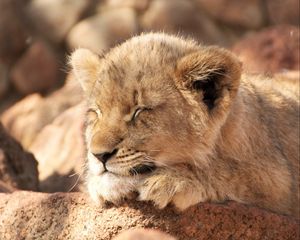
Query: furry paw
(168, 186)
(157, 189)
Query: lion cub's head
(156, 100)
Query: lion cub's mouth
(142, 169)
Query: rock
(6, 188)
(283, 11)
(27, 118)
(63, 141)
(291, 75)
(18, 168)
(143, 234)
(70, 216)
(181, 16)
(37, 70)
(4, 81)
(51, 128)
(54, 18)
(139, 5)
(245, 14)
(13, 33)
(271, 50)
(9, 99)
(102, 31)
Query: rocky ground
(42, 109)
(30, 215)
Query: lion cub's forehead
(139, 68)
(125, 96)
(147, 54)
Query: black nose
(104, 157)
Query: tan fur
(242, 146)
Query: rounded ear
(85, 65)
(211, 72)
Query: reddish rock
(271, 50)
(54, 18)
(6, 187)
(291, 75)
(13, 33)
(181, 16)
(27, 118)
(51, 128)
(18, 168)
(139, 5)
(143, 234)
(71, 216)
(4, 81)
(246, 14)
(102, 31)
(287, 11)
(37, 70)
(63, 141)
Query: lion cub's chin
(110, 187)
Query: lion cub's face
(154, 101)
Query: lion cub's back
(288, 84)
(277, 102)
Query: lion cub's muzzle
(112, 160)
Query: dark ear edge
(211, 72)
(208, 86)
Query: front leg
(178, 186)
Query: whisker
(76, 182)
(153, 150)
(72, 175)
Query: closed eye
(94, 111)
(138, 111)
(93, 115)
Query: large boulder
(70, 216)
(38, 70)
(54, 18)
(60, 150)
(28, 117)
(143, 234)
(271, 50)
(4, 80)
(181, 16)
(103, 30)
(13, 33)
(286, 11)
(18, 168)
(245, 14)
(139, 5)
(51, 128)
(6, 187)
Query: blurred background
(41, 104)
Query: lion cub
(177, 123)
